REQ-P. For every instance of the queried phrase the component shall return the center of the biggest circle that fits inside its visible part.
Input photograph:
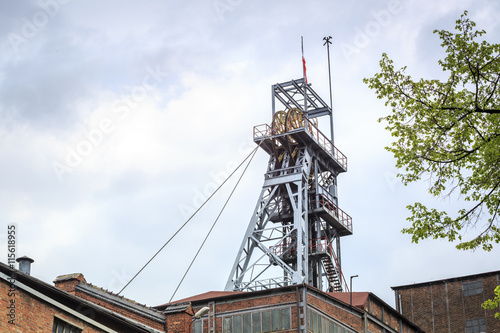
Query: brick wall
(69, 282)
(33, 315)
(387, 316)
(489, 285)
(179, 323)
(441, 307)
(230, 307)
(351, 319)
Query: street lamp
(203, 311)
(350, 288)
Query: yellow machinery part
(294, 119)
(278, 125)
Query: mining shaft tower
(294, 233)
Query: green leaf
(448, 132)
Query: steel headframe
(296, 225)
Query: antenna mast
(327, 43)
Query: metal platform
(327, 210)
(308, 134)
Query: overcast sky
(118, 118)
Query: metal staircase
(332, 273)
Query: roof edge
(452, 279)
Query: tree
(449, 131)
(493, 304)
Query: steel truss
(294, 233)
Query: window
(61, 326)
(228, 325)
(475, 326)
(321, 324)
(237, 324)
(198, 326)
(285, 319)
(257, 322)
(472, 288)
(247, 322)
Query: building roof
(453, 279)
(69, 302)
(105, 295)
(200, 297)
(207, 295)
(359, 299)
(212, 295)
(121, 301)
(178, 307)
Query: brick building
(450, 305)
(30, 305)
(80, 307)
(280, 310)
(76, 284)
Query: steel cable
(189, 219)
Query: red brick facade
(33, 306)
(34, 315)
(69, 282)
(73, 301)
(444, 306)
(329, 306)
(72, 283)
(380, 316)
(179, 322)
(351, 317)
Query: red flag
(304, 64)
(303, 59)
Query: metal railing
(323, 245)
(264, 130)
(327, 203)
(316, 246)
(265, 284)
(323, 141)
(260, 131)
(287, 246)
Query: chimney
(69, 282)
(25, 264)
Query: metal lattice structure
(294, 233)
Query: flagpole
(327, 43)
(304, 76)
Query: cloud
(152, 147)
